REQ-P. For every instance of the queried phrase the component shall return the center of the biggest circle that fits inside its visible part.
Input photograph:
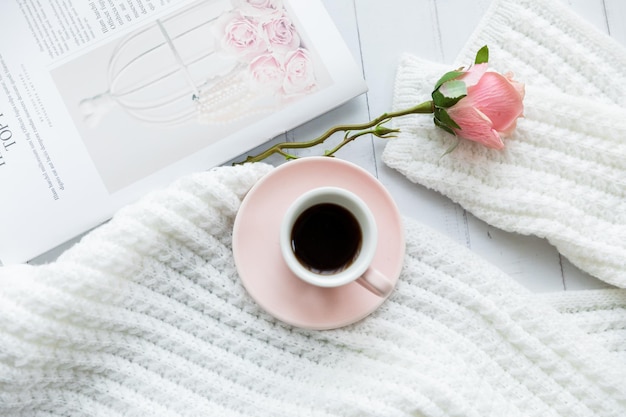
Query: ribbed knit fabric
(146, 316)
(598, 312)
(547, 45)
(562, 175)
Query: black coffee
(326, 238)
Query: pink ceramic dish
(257, 253)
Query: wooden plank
(387, 31)
(616, 19)
(457, 20)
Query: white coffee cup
(316, 220)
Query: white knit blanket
(146, 316)
(562, 175)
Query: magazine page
(102, 101)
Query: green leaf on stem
(446, 128)
(449, 93)
(453, 89)
(445, 102)
(444, 118)
(451, 75)
(482, 56)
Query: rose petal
(498, 99)
(473, 75)
(475, 125)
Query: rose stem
(425, 107)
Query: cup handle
(376, 282)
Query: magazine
(102, 101)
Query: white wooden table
(378, 33)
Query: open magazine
(102, 101)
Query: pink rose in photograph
(267, 73)
(299, 73)
(281, 34)
(260, 9)
(264, 52)
(242, 37)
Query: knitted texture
(598, 312)
(562, 173)
(546, 44)
(146, 316)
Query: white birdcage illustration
(176, 70)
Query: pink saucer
(257, 252)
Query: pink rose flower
(257, 4)
(241, 36)
(257, 8)
(490, 109)
(299, 73)
(267, 73)
(281, 34)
